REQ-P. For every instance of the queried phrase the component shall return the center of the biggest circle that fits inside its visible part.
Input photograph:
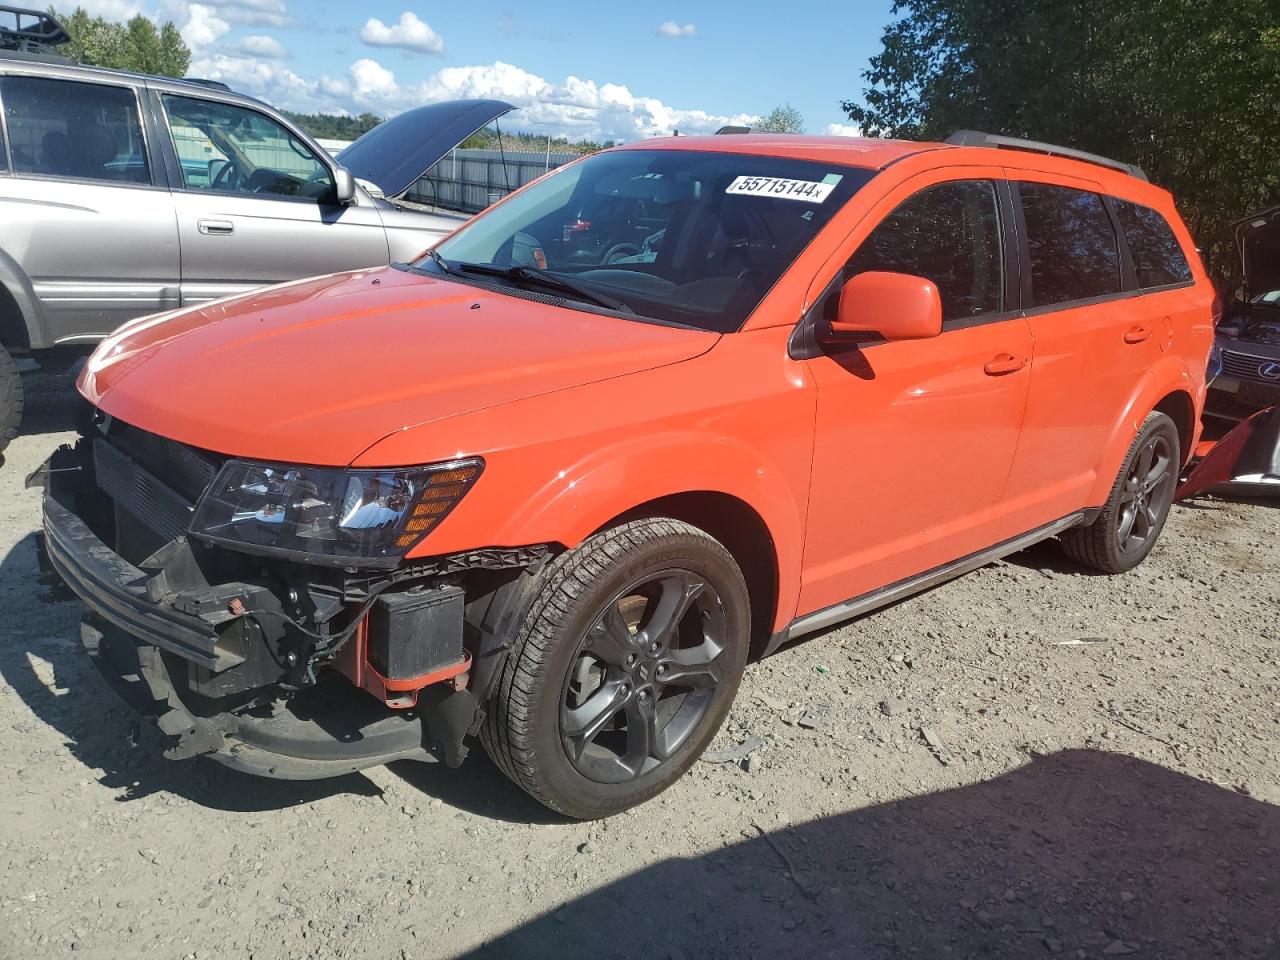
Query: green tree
(1184, 88)
(136, 45)
(783, 119)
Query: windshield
(679, 236)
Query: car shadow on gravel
(1079, 853)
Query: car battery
(415, 632)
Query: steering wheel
(224, 180)
(618, 251)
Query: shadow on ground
(1078, 851)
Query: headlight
(338, 517)
(1215, 361)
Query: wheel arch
(1168, 388)
(21, 318)
(741, 530)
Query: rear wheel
(11, 401)
(624, 668)
(1127, 528)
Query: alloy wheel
(1145, 495)
(643, 677)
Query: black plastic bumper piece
(117, 590)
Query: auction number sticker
(808, 191)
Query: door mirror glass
(891, 306)
(344, 186)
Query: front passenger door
(255, 204)
(915, 438)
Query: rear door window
(1072, 244)
(950, 234)
(1157, 256)
(63, 128)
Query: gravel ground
(1025, 762)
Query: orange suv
(667, 408)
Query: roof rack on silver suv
(30, 31)
(976, 138)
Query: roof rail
(976, 138)
(731, 129)
(212, 84)
(30, 31)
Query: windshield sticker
(805, 190)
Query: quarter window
(950, 234)
(1072, 244)
(232, 149)
(1157, 256)
(62, 128)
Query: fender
(626, 474)
(14, 279)
(1168, 375)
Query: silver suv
(123, 195)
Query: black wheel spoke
(643, 735)
(611, 639)
(582, 724)
(678, 591)
(698, 667)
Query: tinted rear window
(61, 128)
(1157, 255)
(1074, 255)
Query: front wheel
(1131, 520)
(623, 669)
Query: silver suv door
(85, 218)
(255, 203)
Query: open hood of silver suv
(1258, 237)
(396, 153)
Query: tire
(11, 401)
(1122, 535)
(607, 622)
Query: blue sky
(605, 71)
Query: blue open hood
(397, 152)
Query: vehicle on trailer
(123, 195)
(500, 492)
(1245, 365)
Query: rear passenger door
(84, 212)
(1092, 341)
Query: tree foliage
(136, 45)
(783, 119)
(328, 126)
(1184, 88)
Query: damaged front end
(273, 660)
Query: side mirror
(895, 306)
(344, 186)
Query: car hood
(318, 370)
(396, 153)
(1258, 238)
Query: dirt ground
(1103, 780)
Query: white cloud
(843, 130)
(266, 13)
(261, 46)
(409, 33)
(202, 28)
(674, 31)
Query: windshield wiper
(440, 262)
(542, 278)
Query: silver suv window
(231, 149)
(64, 128)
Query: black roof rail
(976, 138)
(212, 84)
(730, 129)
(30, 31)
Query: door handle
(1003, 363)
(216, 228)
(1137, 334)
